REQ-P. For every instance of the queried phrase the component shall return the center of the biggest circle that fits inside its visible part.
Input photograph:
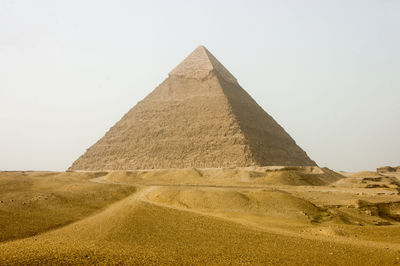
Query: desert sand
(253, 215)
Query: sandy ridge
(141, 195)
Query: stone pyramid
(198, 117)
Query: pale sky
(327, 71)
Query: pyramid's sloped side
(182, 123)
(269, 143)
(198, 117)
(219, 68)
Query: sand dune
(246, 176)
(198, 224)
(34, 202)
(267, 203)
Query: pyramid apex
(201, 47)
(199, 64)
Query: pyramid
(198, 117)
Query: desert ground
(254, 215)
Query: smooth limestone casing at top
(198, 117)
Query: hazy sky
(327, 71)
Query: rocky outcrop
(387, 169)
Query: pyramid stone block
(198, 117)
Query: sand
(218, 216)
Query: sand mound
(301, 176)
(178, 224)
(251, 176)
(131, 232)
(369, 180)
(366, 174)
(260, 202)
(34, 202)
